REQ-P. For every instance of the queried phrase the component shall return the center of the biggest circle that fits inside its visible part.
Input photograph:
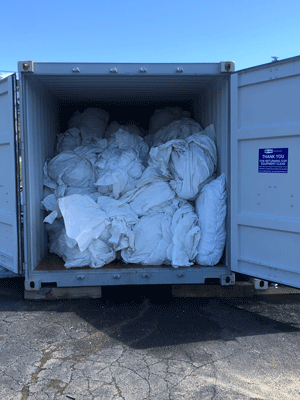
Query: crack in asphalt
(172, 386)
(34, 376)
(48, 352)
(117, 387)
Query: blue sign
(273, 160)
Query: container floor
(52, 262)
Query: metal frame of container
(47, 87)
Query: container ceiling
(114, 87)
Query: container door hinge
(21, 145)
(22, 206)
(25, 66)
(227, 66)
(17, 83)
(24, 267)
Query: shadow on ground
(149, 317)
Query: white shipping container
(257, 121)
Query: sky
(247, 32)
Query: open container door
(265, 169)
(9, 182)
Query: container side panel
(265, 148)
(269, 247)
(41, 131)
(8, 181)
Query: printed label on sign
(273, 160)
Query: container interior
(49, 101)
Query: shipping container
(255, 113)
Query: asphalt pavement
(141, 343)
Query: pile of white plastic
(112, 192)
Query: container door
(9, 241)
(265, 171)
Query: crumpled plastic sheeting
(211, 210)
(148, 195)
(178, 129)
(131, 209)
(117, 171)
(114, 126)
(152, 237)
(92, 124)
(122, 218)
(167, 234)
(91, 192)
(162, 117)
(69, 169)
(49, 202)
(97, 254)
(185, 236)
(83, 219)
(91, 233)
(54, 230)
(84, 232)
(68, 140)
(189, 164)
(126, 141)
(93, 151)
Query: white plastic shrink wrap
(124, 140)
(185, 235)
(92, 124)
(211, 211)
(114, 126)
(152, 239)
(92, 152)
(165, 234)
(68, 140)
(188, 164)
(69, 169)
(148, 195)
(117, 171)
(178, 129)
(162, 117)
(108, 197)
(90, 233)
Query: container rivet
(143, 70)
(114, 70)
(76, 69)
(179, 69)
(258, 203)
(292, 205)
(80, 277)
(292, 195)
